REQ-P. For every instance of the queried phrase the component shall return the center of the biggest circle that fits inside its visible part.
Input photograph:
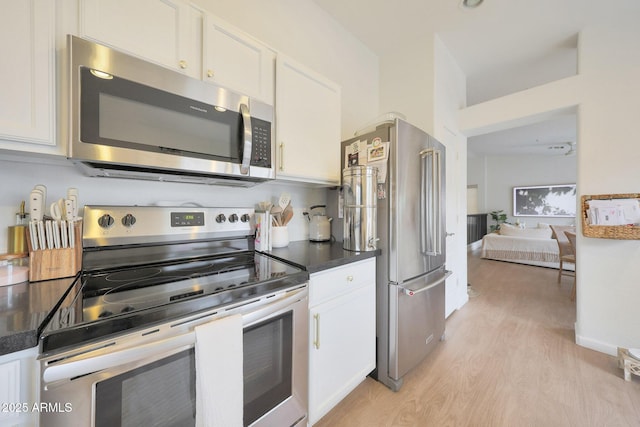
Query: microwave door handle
(246, 152)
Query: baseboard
(474, 246)
(596, 345)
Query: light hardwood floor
(510, 359)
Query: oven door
(153, 382)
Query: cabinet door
(237, 61)
(342, 348)
(307, 125)
(27, 69)
(164, 31)
(19, 388)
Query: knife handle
(36, 205)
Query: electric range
(146, 265)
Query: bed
(532, 246)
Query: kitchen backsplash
(20, 176)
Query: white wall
(505, 172)
(428, 87)
(449, 97)
(20, 175)
(407, 83)
(608, 288)
(607, 93)
(477, 175)
(299, 29)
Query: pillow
(538, 233)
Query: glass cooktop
(102, 303)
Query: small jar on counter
(14, 268)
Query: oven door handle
(88, 364)
(267, 310)
(72, 369)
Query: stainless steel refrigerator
(411, 231)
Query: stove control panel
(116, 225)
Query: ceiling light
(471, 3)
(101, 74)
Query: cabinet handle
(349, 278)
(281, 166)
(182, 64)
(316, 341)
(209, 73)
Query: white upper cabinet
(237, 61)
(307, 125)
(27, 86)
(167, 32)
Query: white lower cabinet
(342, 333)
(19, 389)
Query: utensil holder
(279, 237)
(47, 264)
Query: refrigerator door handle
(430, 202)
(412, 291)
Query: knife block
(47, 264)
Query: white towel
(219, 380)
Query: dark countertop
(315, 257)
(24, 308)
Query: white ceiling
(503, 46)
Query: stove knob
(233, 218)
(245, 218)
(128, 220)
(105, 221)
(221, 218)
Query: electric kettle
(319, 224)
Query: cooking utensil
(55, 210)
(287, 214)
(276, 213)
(49, 234)
(72, 234)
(33, 234)
(41, 236)
(36, 204)
(64, 239)
(285, 200)
(43, 190)
(72, 195)
(56, 234)
(265, 206)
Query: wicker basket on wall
(619, 232)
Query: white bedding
(524, 250)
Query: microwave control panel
(261, 144)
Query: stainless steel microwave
(129, 118)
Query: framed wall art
(545, 200)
